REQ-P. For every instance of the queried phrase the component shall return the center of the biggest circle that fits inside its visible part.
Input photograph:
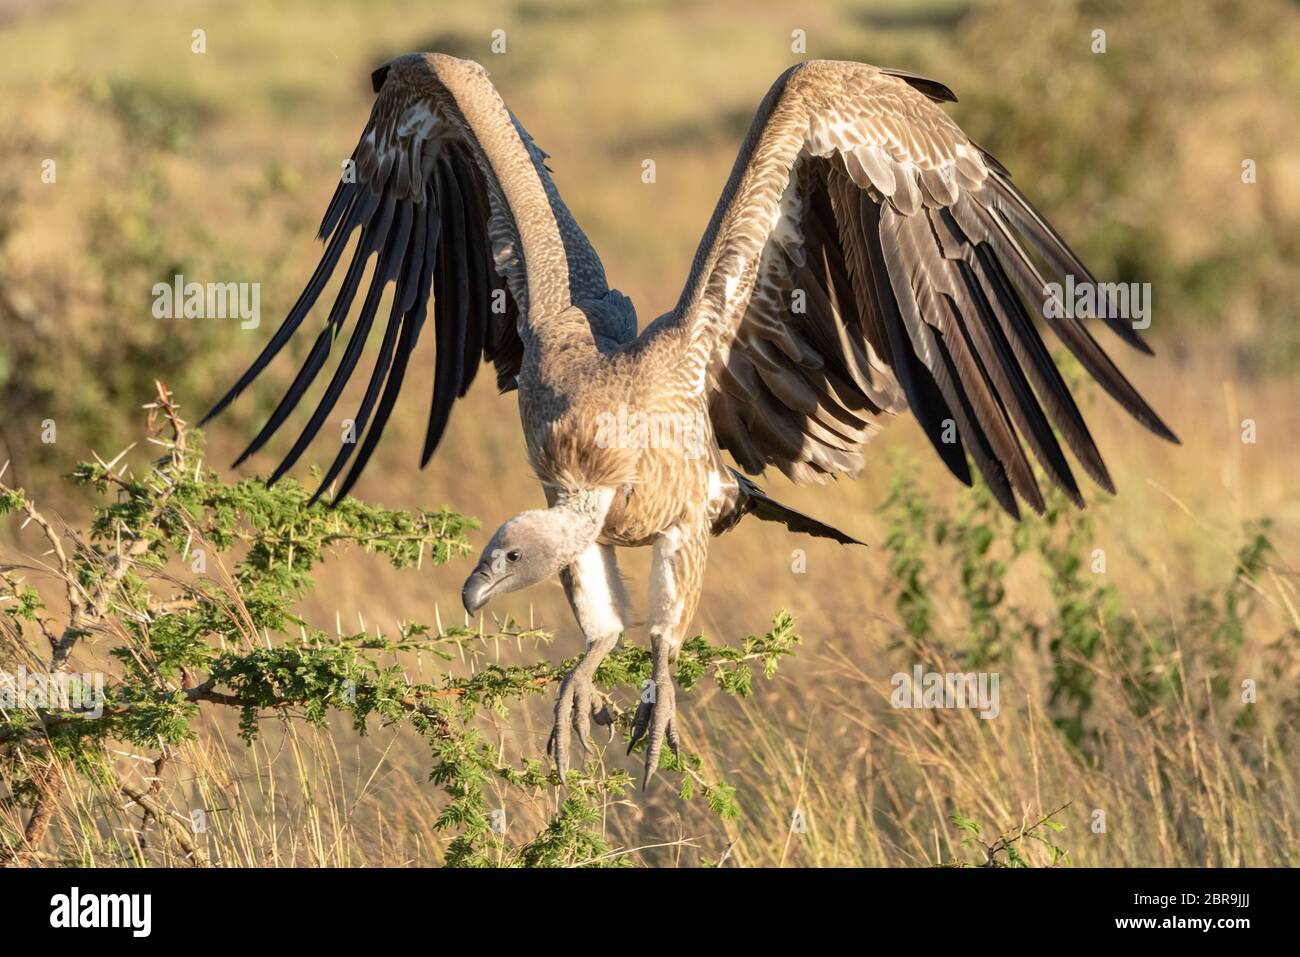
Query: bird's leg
(675, 581)
(598, 599)
(656, 713)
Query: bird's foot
(578, 704)
(656, 714)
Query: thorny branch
(84, 611)
(1008, 838)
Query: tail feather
(753, 500)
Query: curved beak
(477, 589)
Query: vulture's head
(528, 549)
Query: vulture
(865, 258)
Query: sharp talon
(607, 720)
(640, 721)
(671, 736)
(657, 721)
(579, 726)
(574, 709)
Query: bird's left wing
(454, 201)
(867, 257)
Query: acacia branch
(1005, 840)
(178, 831)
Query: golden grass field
(219, 164)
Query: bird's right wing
(455, 199)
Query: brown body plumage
(864, 258)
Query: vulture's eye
(513, 555)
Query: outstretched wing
(452, 198)
(867, 257)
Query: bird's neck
(585, 511)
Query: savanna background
(1121, 690)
